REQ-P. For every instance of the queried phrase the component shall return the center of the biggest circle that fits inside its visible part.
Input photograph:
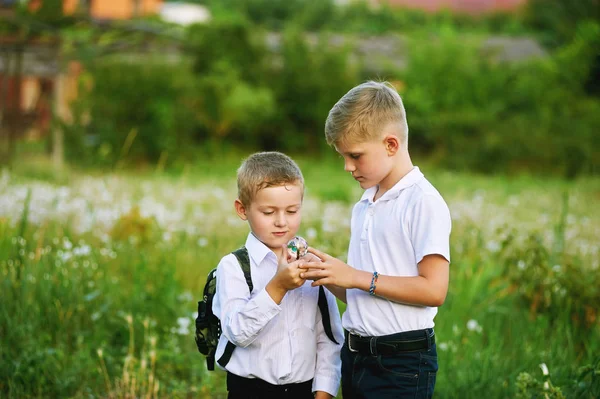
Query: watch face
(297, 247)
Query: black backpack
(208, 326)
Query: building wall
(115, 9)
(124, 9)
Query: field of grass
(100, 274)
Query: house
(32, 83)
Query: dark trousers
(400, 375)
(254, 388)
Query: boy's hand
(311, 258)
(322, 395)
(285, 279)
(331, 271)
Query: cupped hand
(288, 274)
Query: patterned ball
(297, 247)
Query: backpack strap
(244, 260)
(324, 308)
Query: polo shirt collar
(256, 249)
(408, 180)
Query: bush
(133, 110)
(469, 111)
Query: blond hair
(266, 169)
(362, 114)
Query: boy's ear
(240, 209)
(392, 144)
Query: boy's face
(369, 162)
(274, 214)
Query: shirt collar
(408, 180)
(257, 250)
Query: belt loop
(373, 346)
(429, 334)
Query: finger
(319, 254)
(321, 281)
(313, 274)
(284, 258)
(312, 265)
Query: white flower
(493, 246)
(183, 326)
(473, 325)
(202, 242)
(185, 297)
(311, 233)
(556, 268)
(544, 368)
(83, 250)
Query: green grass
(115, 261)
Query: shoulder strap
(324, 308)
(244, 260)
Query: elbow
(438, 300)
(238, 341)
(236, 336)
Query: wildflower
(493, 246)
(183, 326)
(473, 325)
(311, 233)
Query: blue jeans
(402, 375)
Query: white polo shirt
(391, 236)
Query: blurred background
(122, 123)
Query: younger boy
(282, 350)
(398, 259)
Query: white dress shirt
(280, 344)
(391, 236)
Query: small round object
(297, 247)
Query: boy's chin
(365, 185)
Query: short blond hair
(266, 169)
(362, 114)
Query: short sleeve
(430, 227)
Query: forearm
(339, 292)
(275, 291)
(416, 290)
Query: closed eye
(355, 156)
(268, 213)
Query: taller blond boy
(399, 253)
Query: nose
(349, 166)
(280, 220)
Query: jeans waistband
(391, 344)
